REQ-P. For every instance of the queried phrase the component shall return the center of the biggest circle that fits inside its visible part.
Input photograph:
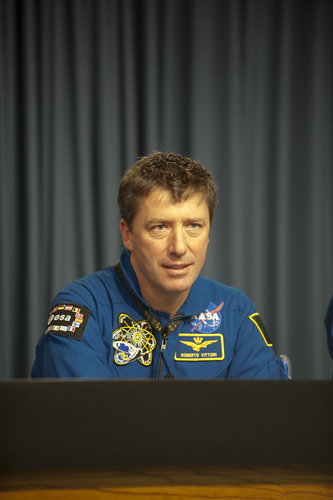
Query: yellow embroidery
(197, 347)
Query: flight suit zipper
(169, 328)
(163, 347)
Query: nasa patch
(68, 320)
(209, 320)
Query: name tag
(204, 347)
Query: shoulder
(232, 297)
(89, 290)
(79, 301)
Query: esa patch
(261, 327)
(203, 347)
(207, 321)
(68, 320)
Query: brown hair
(178, 174)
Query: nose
(177, 244)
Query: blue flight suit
(99, 329)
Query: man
(152, 315)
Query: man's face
(168, 244)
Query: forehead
(161, 200)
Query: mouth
(177, 270)
(177, 267)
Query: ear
(126, 235)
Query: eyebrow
(163, 220)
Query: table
(166, 439)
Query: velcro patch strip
(256, 319)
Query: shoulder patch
(261, 327)
(68, 320)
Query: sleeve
(254, 356)
(72, 345)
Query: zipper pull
(164, 342)
(163, 347)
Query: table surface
(229, 482)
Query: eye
(158, 229)
(194, 226)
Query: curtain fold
(244, 86)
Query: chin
(180, 288)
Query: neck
(166, 304)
